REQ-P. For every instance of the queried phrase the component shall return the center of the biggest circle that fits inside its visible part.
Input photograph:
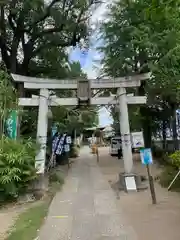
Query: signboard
(146, 156)
(11, 125)
(137, 139)
(130, 183)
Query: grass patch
(29, 222)
(166, 177)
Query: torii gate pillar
(42, 127)
(125, 131)
(129, 181)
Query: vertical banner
(11, 124)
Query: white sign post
(146, 159)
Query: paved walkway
(86, 207)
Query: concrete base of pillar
(40, 186)
(140, 185)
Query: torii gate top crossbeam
(73, 101)
(38, 83)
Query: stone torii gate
(44, 100)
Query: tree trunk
(147, 129)
(20, 95)
(3, 43)
(1, 126)
(146, 119)
(174, 130)
(164, 127)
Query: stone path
(86, 207)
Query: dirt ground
(151, 222)
(10, 213)
(8, 216)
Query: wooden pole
(97, 154)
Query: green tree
(165, 39)
(30, 29)
(143, 36)
(34, 39)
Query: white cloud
(99, 13)
(104, 117)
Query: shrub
(17, 166)
(170, 171)
(74, 153)
(56, 177)
(160, 155)
(167, 176)
(175, 159)
(157, 151)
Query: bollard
(151, 185)
(97, 154)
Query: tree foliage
(71, 119)
(30, 29)
(35, 37)
(8, 97)
(17, 167)
(142, 36)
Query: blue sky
(86, 59)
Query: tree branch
(11, 23)
(59, 29)
(49, 44)
(3, 45)
(13, 4)
(49, 30)
(99, 91)
(4, 52)
(11, 16)
(23, 42)
(71, 41)
(46, 14)
(28, 53)
(55, 29)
